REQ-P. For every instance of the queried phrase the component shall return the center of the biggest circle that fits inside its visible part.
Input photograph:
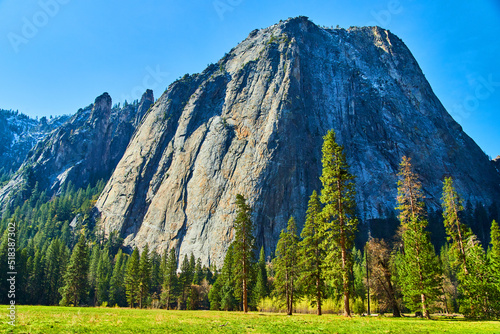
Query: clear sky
(58, 55)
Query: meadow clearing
(52, 319)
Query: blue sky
(58, 55)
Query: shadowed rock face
(253, 124)
(83, 150)
(19, 134)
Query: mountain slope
(253, 124)
(19, 134)
(83, 150)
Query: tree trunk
(425, 311)
(318, 295)
(345, 275)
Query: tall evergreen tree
(261, 289)
(480, 299)
(132, 278)
(494, 254)
(198, 272)
(228, 285)
(456, 231)
(95, 256)
(170, 281)
(55, 267)
(144, 276)
(103, 277)
(117, 294)
(312, 254)
(75, 287)
(185, 280)
(286, 265)
(418, 269)
(340, 222)
(156, 274)
(244, 255)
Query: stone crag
(83, 150)
(253, 124)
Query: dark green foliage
(55, 267)
(261, 289)
(340, 222)
(198, 272)
(144, 276)
(170, 289)
(244, 252)
(185, 280)
(103, 277)
(494, 254)
(417, 264)
(75, 287)
(222, 295)
(117, 294)
(133, 278)
(312, 254)
(156, 274)
(286, 266)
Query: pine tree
(340, 223)
(132, 278)
(4, 269)
(456, 231)
(156, 274)
(185, 280)
(214, 295)
(228, 289)
(418, 272)
(170, 282)
(198, 272)
(261, 289)
(117, 294)
(312, 254)
(480, 299)
(75, 287)
(286, 265)
(55, 266)
(92, 279)
(144, 276)
(244, 256)
(103, 277)
(494, 254)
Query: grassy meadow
(51, 319)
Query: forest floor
(52, 319)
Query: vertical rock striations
(253, 124)
(83, 150)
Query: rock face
(19, 134)
(83, 150)
(253, 124)
(496, 162)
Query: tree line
(74, 265)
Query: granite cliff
(19, 134)
(83, 150)
(253, 124)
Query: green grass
(47, 319)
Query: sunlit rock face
(253, 124)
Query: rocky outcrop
(496, 162)
(253, 124)
(19, 134)
(83, 150)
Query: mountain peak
(253, 125)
